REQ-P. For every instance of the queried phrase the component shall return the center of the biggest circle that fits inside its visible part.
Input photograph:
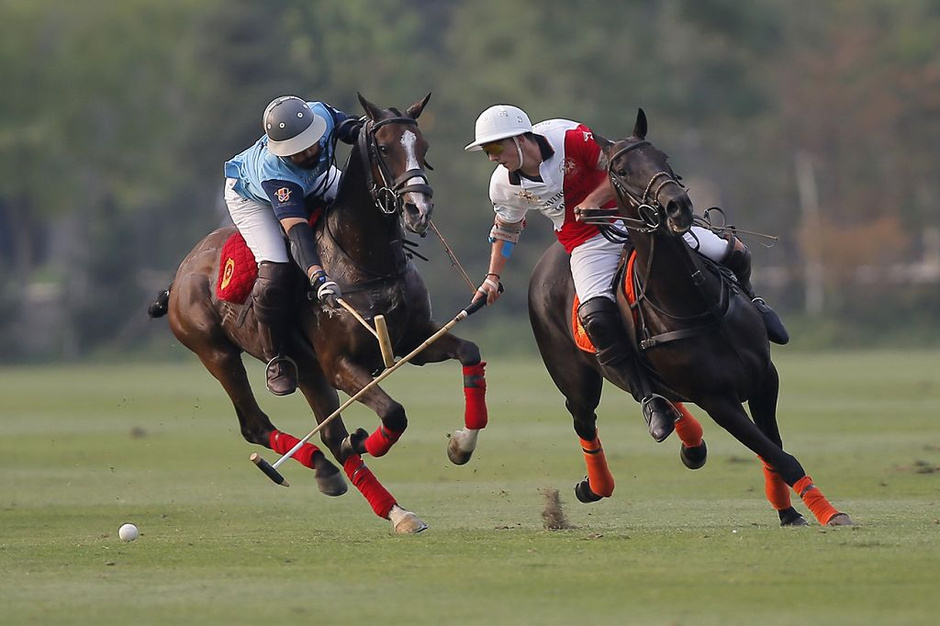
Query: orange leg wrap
(814, 500)
(776, 490)
(688, 428)
(599, 477)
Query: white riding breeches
(707, 243)
(594, 262)
(593, 265)
(258, 225)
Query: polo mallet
(380, 332)
(270, 469)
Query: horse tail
(159, 307)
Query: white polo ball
(128, 532)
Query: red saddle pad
(237, 270)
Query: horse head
(396, 150)
(648, 191)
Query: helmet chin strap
(515, 140)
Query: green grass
(85, 449)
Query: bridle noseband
(388, 196)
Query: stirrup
(270, 374)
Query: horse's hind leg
(226, 366)
(581, 385)
(763, 406)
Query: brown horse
(360, 239)
(701, 338)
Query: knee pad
(601, 320)
(272, 289)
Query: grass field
(87, 448)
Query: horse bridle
(388, 196)
(648, 206)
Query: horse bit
(388, 197)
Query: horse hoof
(405, 522)
(792, 517)
(839, 519)
(354, 443)
(461, 445)
(332, 485)
(694, 457)
(583, 492)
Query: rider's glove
(327, 290)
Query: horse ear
(639, 129)
(415, 109)
(603, 142)
(371, 110)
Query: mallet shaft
(467, 312)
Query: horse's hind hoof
(354, 443)
(792, 517)
(839, 519)
(405, 522)
(583, 492)
(461, 445)
(694, 457)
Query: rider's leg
(271, 298)
(738, 260)
(619, 357)
(593, 265)
(733, 254)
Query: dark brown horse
(701, 338)
(360, 239)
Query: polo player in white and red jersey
(556, 167)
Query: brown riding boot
(271, 301)
(601, 320)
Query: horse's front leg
(731, 416)
(352, 378)
(347, 448)
(463, 441)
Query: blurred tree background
(818, 122)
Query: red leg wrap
(474, 391)
(688, 428)
(776, 490)
(814, 500)
(283, 442)
(379, 442)
(365, 481)
(599, 477)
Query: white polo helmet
(499, 122)
(291, 126)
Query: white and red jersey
(568, 175)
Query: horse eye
(383, 150)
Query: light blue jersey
(277, 181)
